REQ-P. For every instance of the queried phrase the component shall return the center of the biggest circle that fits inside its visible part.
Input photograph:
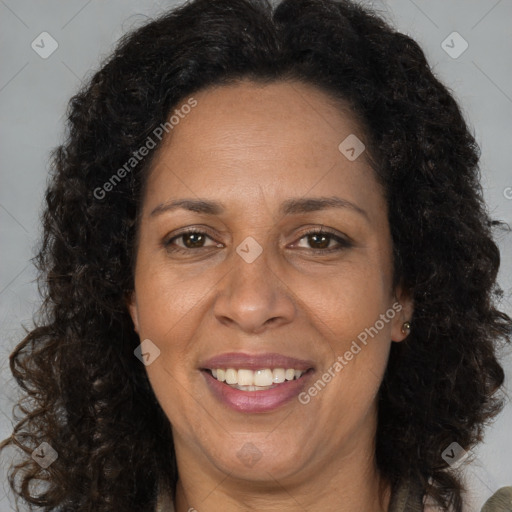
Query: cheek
(342, 301)
(346, 302)
(166, 300)
(346, 311)
(168, 309)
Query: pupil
(197, 242)
(324, 243)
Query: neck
(348, 486)
(374, 498)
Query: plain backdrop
(33, 96)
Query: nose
(252, 297)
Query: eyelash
(343, 243)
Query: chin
(261, 465)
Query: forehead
(282, 137)
(274, 115)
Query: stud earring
(406, 328)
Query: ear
(131, 304)
(404, 307)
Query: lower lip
(256, 401)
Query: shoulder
(500, 501)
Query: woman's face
(251, 291)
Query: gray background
(33, 97)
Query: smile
(254, 398)
(255, 383)
(259, 380)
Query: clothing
(500, 501)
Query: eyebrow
(292, 206)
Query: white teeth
(289, 374)
(231, 376)
(245, 378)
(262, 377)
(249, 380)
(251, 388)
(278, 375)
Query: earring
(406, 328)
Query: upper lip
(239, 360)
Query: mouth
(256, 383)
(245, 379)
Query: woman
(269, 274)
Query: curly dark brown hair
(86, 394)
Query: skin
(252, 146)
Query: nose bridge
(252, 266)
(252, 294)
(253, 281)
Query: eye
(191, 240)
(320, 241)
